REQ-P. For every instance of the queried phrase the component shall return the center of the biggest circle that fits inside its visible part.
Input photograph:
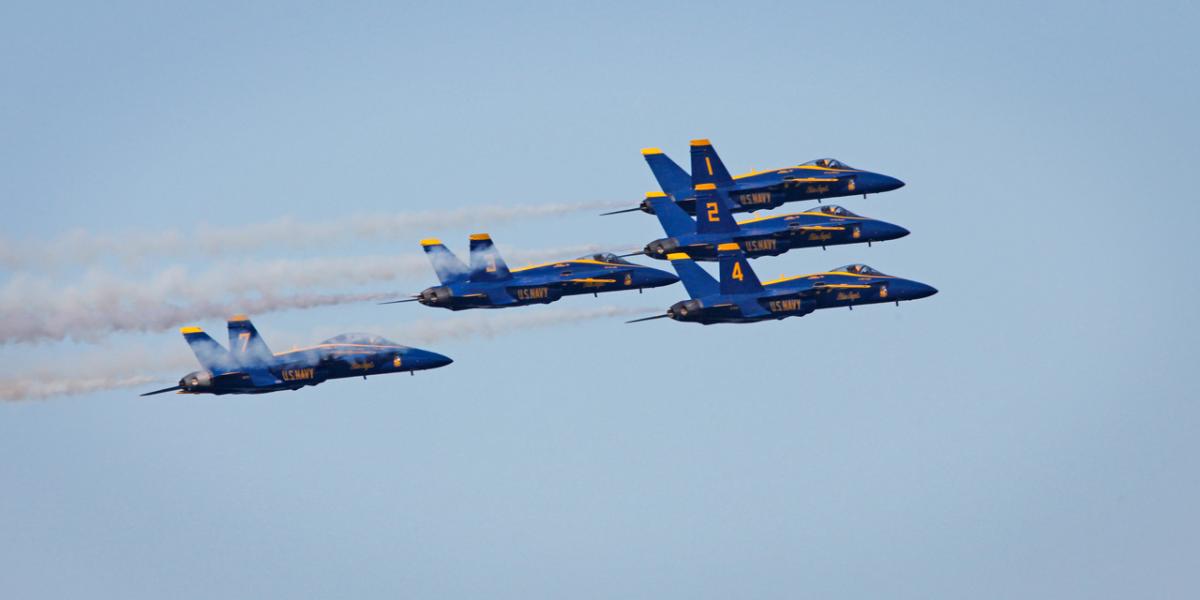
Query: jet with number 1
(759, 190)
(739, 297)
(249, 367)
(489, 283)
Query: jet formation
(696, 212)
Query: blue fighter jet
(826, 225)
(759, 190)
(739, 297)
(249, 367)
(489, 283)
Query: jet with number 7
(249, 367)
(739, 297)
(758, 190)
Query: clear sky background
(1030, 431)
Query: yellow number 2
(712, 212)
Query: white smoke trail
(36, 309)
(81, 248)
(109, 369)
(34, 389)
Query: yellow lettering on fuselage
(817, 189)
(759, 245)
(755, 198)
(537, 293)
(784, 305)
(848, 296)
(820, 236)
(297, 374)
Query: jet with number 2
(823, 226)
(489, 283)
(249, 367)
(739, 297)
(759, 190)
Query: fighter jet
(759, 190)
(739, 297)
(822, 226)
(249, 367)
(489, 283)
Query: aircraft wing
(844, 286)
(591, 280)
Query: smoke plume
(81, 248)
(136, 367)
(34, 308)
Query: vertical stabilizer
(486, 264)
(448, 267)
(707, 166)
(736, 275)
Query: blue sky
(1027, 431)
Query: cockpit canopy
(362, 339)
(607, 257)
(832, 210)
(827, 163)
(858, 269)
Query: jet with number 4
(489, 283)
(249, 367)
(739, 297)
(758, 190)
(826, 225)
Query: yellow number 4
(737, 271)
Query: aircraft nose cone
(921, 290)
(873, 183)
(434, 360)
(887, 231)
(657, 278)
